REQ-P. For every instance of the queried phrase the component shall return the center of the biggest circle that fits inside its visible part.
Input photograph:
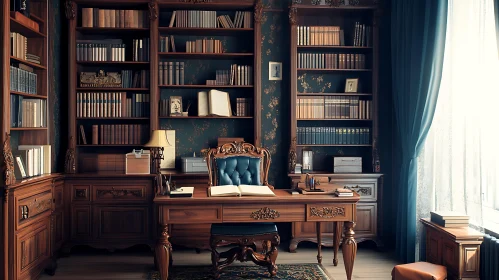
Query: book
(249, 190)
(342, 192)
(219, 103)
(182, 192)
(449, 219)
(203, 109)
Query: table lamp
(157, 143)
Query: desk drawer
(119, 193)
(33, 208)
(330, 212)
(191, 214)
(259, 212)
(367, 189)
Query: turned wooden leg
(319, 241)
(293, 245)
(272, 255)
(215, 258)
(337, 230)
(163, 252)
(349, 248)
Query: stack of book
(244, 107)
(137, 79)
(320, 36)
(341, 192)
(22, 79)
(166, 44)
(27, 112)
(204, 46)
(449, 219)
(332, 61)
(171, 73)
(333, 135)
(100, 50)
(32, 160)
(33, 58)
(333, 107)
(116, 134)
(362, 35)
(140, 49)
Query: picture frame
(352, 85)
(175, 107)
(275, 71)
(307, 160)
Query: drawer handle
(327, 212)
(360, 190)
(265, 213)
(118, 193)
(24, 212)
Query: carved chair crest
(234, 149)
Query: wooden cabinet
(366, 226)
(458, 249)
(110, 211)
(34, 226)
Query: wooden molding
(292, 156)
(265, 213)
(70, 162)
(327, 212)
(9, 176)
(70, 9)
(292, 15)
(259, 11)
(153, 10)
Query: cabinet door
(124, 222)
(81, 222)
(32, 249)
(433, 249)
(59, 232)
(366, 220)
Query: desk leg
(337, 230)
(349, 248)
(163, 252)
(319, 241)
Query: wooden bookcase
(324, 77)
(84, 177)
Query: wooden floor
(98, 265)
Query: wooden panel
(81, 224)
(80, 192)
(470, 260)
(341, 212)
(122, 193)
(366, 219)
(32, 249)
(182, 215)
(191, 236)
(121, 222)
(433, 254)
(450, 255)
(259, 212)
(33, 208)
(59, 232)
(59, 197)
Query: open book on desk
(231, 190)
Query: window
(459, 166)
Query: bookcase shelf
(204, 86)
(34, 65)
(204, 31)
(28, 95)
(210, 117)
(204, 55)
(113, 30)
(19, 27)
(27, 128)
(110, 89)
(333, 70)
(334, 94)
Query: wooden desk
(458, 249)
(284, 207)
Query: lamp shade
(158, 139)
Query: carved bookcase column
(154, 65)
(71, 159)
(257, 73)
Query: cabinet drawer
(33, 208)
(368, 190)
(198, 214)
(102, 193)
(80, 193)
(32, 250)
(257, 212)
(330, 212)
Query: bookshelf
(331, 43)
(85, 30)
(24, 62)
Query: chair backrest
(238, 163)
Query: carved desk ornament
(100, 79)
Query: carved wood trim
(292, 15)
(265, 213)
(153, 11)
(70, 9)
(34, 208)
(80, 193)
(120, 193)
(9, 175)
(70, 162)
(360, 190)
(258, 11)
(292, 156)
(327, 212)
(5, 195)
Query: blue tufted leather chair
(240, 163)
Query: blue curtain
(418, 30)
(496, 14)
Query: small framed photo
(175, 106)
(351, 85)
(307, 160)
(275, 71)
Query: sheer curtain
(458, 168)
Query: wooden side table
(458, 249)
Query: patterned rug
(234, 272)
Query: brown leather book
(95, 134)
(102, 19)
(122, 18)
(87, 15)
(112, 18)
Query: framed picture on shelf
(275, 71)
(351, 85)
(307, 160)
(175, 106)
